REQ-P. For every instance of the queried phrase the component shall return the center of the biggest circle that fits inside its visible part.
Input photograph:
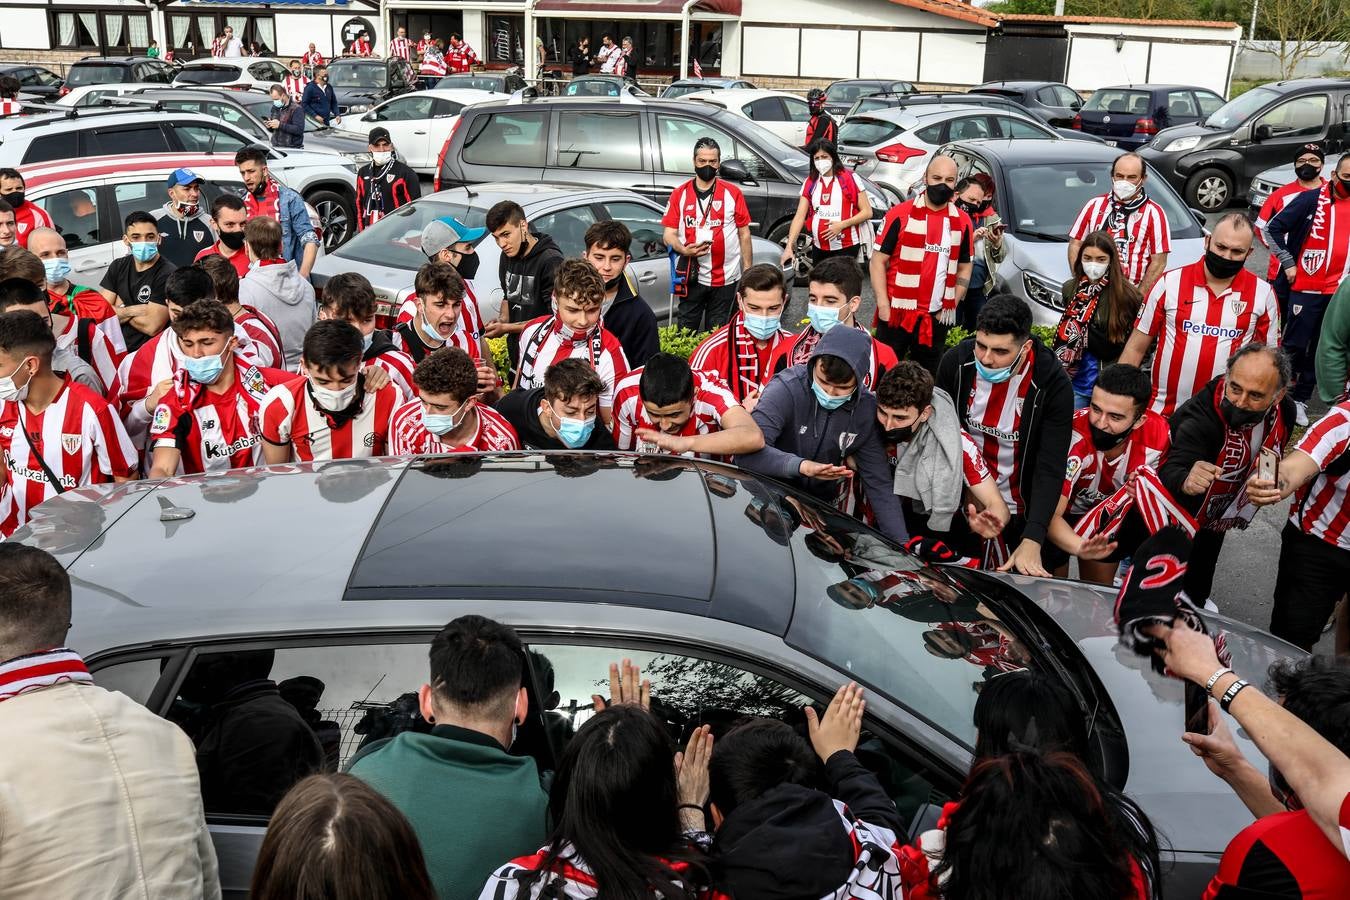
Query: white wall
(890, 54)
(830, 53)
(731, 49)
(294, 32)
(1202, 65)
(475, 27)
(769, 51)
(26, 28)
(952, 58)
(1094, 63)
(874, 13)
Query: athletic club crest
(1312, 260)
(1237, 304)
(71, 442)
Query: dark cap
(1312, 147)
(380, 134)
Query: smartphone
(1268, 465)
(1197, 709)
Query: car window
(203, 138)
(47, 147)
(1209, 103)
(969, 128)
(95, 74)
(676, 136)
(932, 134)
(599, 140)
(1067, 96)
(1017, 128)
(470, 82)
(508, 138)
(644, 223)
(866, 132)
(406, 109)
(1302, 116)
(567, 227)
(797, 110)
(211, 73)
(135, 678)
(1116, 100)
(263, 718)
(142, 196)
(1181, 103)
(847, 92)
(1046, 199)
(1048, 96)
(75, 214)
(445, 108)
(395, 240)
(765, 109)
(233, 115)
(162, 73)
(112, 141)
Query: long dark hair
(614, 801)
(1034, 827)
(1122, 297)
(1030, 711)
(820, 145)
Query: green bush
(1043, 333)
(681, 341)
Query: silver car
(389, 252)
(1271, 180)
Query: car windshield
(396, 240)
(679, 90)
(866, 132)
(470, 83)
(1118, 100)
(868, 104)
(765, 141)
(1240, 109)
(210, 74)
(82, 75)
(1047, 198)
(368, 75)
(849, 91)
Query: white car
(420, 123)
(90, 94)
(786, 115)
(231, 71)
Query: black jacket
(290, 134)
(632, 321)
(1047, 427)
(380, 190)
(527, 284)
(521, 409)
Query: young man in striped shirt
(1138, 224)
(447, 416)
(666, 406)
(349, 297)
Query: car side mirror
(1262, 133)
(369, 117)
(1199, 217)
(736, 171)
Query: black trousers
(906, 344)
(1313, 576)
(705, 308)
(1301, 332)
(1205, 551)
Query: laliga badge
(161, 419)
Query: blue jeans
(974, 301)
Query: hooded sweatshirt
(527, 283)
(276, 290)
(797, 428)
(632, 321)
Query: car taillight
(1078, 123)
(898, 153)
(64, 90)
(440, 157)
(1146, 126)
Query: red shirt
(1270, 209)
(460, 58)
(732, 355)
(1090, 477)
(831, 199)
(1146, 230)
(28, 217)
(718, 218)
(359, 48)
(211, 431)
(400, 48)
(103, 357)
(264, 334)
(994, 420)
(468, 333)
(1284, 855)
(291, 417)
(929, 281)
(1320, 507)
(239, 260)
(712, 399)
(83, 302)
(407, 436)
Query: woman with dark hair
(620, 816)
(1100, 306)
(833, 208)
(333, 837)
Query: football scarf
(40, 670)
(1071, 338)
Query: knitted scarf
(1226, 505)
(743, 361)
(913, 268)
(1145, 493)
(1118, 214)
(1071, 338)
(40, 670)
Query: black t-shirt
(136, 287)
(180, 240)
(521, 409)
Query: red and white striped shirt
(266, 339)
(730, 354)
(711, 402)
(213, 432)
(1147, 231)
(400, 367)
(468, 333)
(423, 44)
(831, 199)
(289, 415)
(432, 63)
(1197, 331)
(408, 437)
(103, 356)
(717, 219)
(27, 218)
(312, 58)
(295, 86)
(359, 47)
(1270, 209)
(79, 436)
(1320, 508)
(994, 420)
(543, 346)
(460, 58)
(400, 48)
(1090, 477)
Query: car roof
(718, 80)
(1024, 85)
(1031, 150)
(1151, 87)
(524, 193)
(459, 95)
(1297, 84)
(37, 175)
(731, 94)
(116, 60)
(901, 114)
(105, 115)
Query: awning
(636, 9)
(261, 2)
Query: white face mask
(1123, 190)
(9, 391)
(824, 166)
(381, 157)
(333, 401)
(1095, 270)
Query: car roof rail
(526, 94)
(128, 101)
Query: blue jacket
(296, 228)
(320, 101)
(796, 428)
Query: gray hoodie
(796, 428)
(277, 291)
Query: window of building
(505, 39)
(656, 43)
(76, 30)
(191, 34)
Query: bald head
(46, 243)
(940, 169)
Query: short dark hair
(707, 143)
(756, 756)
(762, 277)
(908, 384)
(330, 343)
(840, 271)
(224, 276)
(225, 201)
(503, 212)
(1005, 314)
(350, 296)
(25, 333)
(5, 206)
(572, 378)
(666, 380)
(1316, 689)
(1127, 381)
(20, 292)
(476, 662)
(204, 315)
(439, 278)
(187, 285)
(34, 596)
(257, 154)
(835, 369)
(609, 235)
(20, 262)
(9, 87)
(139, 217)
(447, 371)
(8, 173)
(263, 236)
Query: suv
(642, 145)
(360, 83)
(241, 72)
(1049, 101)
(841, 95)
(1212, 163)
(117, 69)
(1129, 116)
(918, 102)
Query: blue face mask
(144, 251)
(996, 376)
(206, 369)
(432, 334)
(823, 318)
(58, 268)
(575, 433)
(366, 341)
(278, 104)
(443, 424)
(761, 328)
(826, 400)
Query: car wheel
(1209, 190)
(801, 253)
(337, 214)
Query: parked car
(1272, 179)
(1213, 162)
(682, 86)
(231, 72)
(892, 147)
(1050, 101)
(641, 145)
(1129, 116)
(786, 115)
(117, 69)
(491, 82)
(602, 86)
(389, 252)
(1041, 187)
(419, 123)
(361, 83)
(840, 95)
(36, 81)
(408, 545)
(95, 94)
(893, 100)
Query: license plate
(1109, 143)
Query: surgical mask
(568, 333)
(706, 173)
(9, 391)
(366, 341)
(1221, 267)
(1237, 417)
(278, 104)
(144, 251)
(1095, 270)
(996, 376)
(14, 199)
(381, 157)
(1104, 440)
(443, 424)
(823, 318)
(333, 401)
(761, 328)
(431, 333)
(939, 194)
(573, 433)
(186, 209)
(467, 267)
(1124, 190)
(828, 401)
(232, 239)
(206, 369)
(898, 435)
(824, 166)
(58, 268)
(1307, 172)
(295, 72)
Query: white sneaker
(1300, 414)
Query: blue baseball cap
(181, 177)
(445, 231)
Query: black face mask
(232, 239)
(1104, 440)
(15, 199)
(1237, 417)
(939, 194)
(706, 173)
(1221, 267)
(1307, 172)
(1342, 183)
(613, 283)
(467, 267)
(899, 435)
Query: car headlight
(358, 108)
(1042, 291)
(1180, 144)
(359, 157)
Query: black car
(361, 83)
(35, 80)
(1131, 115)
(1049, 101)
(498, 82)
(1212, 163)
(841, 95)
(117, 70)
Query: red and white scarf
(1071, 338)
(40, 670)
(1226, 505)
(269, 204)
(1325, 255)
(1143, 492)
(1117, 222)
(913, 266)
(568, 341)
(744, 360)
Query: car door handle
(647, 278)
(419, 132)
(85, 265)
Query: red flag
(698, 70)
